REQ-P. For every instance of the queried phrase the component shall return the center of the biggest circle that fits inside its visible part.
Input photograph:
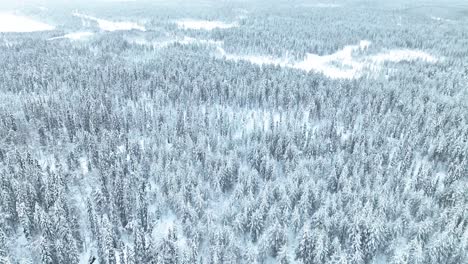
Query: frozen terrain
(399, 55)
(441, 19)
(204, 24)
(108, 25)
(343, 64)
(159, 44)
(75, 36)
(204, 131)
(322, 5)
(16, 23)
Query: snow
(339, 65)
(204, 24)
(252, 120)
(21, 248)
(164, 225)
(400, 55)
(108, 25)
(343, 64)
(254, 59)
(84, 165)
(322, 5)
(440, 19)
(74, 36)
(182, 41)
(85, 256)
(16, 23)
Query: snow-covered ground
(441, 19)
(255, 59)
(402, 55)
(339, 65)
(322, 5)
(75, 36)
(108, 25)
(183, 41)
(343, 64)
(348, 63)
(16, 23)
(204, 24)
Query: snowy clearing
(255, 59)
(403, 55)
(75, 36)
(16, 23)
(339, 65)
(342, 64)
(204, 24)
(440, 19)
(182, 41)
(322, 5)
(108, 25)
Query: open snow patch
(163, 226)
(204, 24)
(182, 41)
(339, 65)
(343, 64)
(108, 25)
(322, 5)
(403, 55)
(254, 59)
(440, 19)
(83, 165)
(21, 24)
(75, 36)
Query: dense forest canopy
(234, 132)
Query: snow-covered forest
(234, 131)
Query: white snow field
(75, 36)
(204, 24)
(343, 64)
(16, 23)
(108, 25)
